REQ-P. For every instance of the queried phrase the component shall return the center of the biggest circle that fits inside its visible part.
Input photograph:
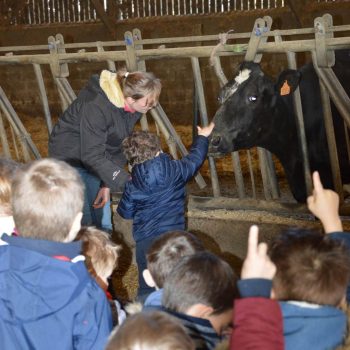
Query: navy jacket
(155, 197)
(90, 133)
(47, 303)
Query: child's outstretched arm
(324, 204)
(206, 130)
(190, 164)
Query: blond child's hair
(100, 251)
(47, 196)
(152, 330)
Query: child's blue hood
(34, 285)
(312, 327)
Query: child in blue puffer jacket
(155, 196)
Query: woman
(90, 132)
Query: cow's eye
(252, 98)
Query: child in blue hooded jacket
(155, 196)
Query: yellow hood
(109, 84)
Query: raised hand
(324, 204)
(206, 130)
(257, 263)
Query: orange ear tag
(285, 89)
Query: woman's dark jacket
(155, 197)
(90, 132)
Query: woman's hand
(103, 196)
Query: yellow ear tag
(285, 89)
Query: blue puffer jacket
(47, 303)
(155, 197)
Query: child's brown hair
(311, 267)
(47, 196)
(141, 146)
(152, 330)
(167, 250)
(202, 278)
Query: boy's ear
(343, 305)
(148, 278)
(200, 310)
(76, 226)
(273, 294)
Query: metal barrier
(134, 52)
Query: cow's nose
(215, 140)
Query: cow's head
(248, 102)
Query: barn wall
(20, 85)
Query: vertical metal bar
(251, 173)
(17, 133)
(14, 141)
(4, 141)
(346, 130)
(332, 146)
(204, 118)
(300, 126)
(13, 118)
(238, 174)
(43, 96)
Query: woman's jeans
(101, 217)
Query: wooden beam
(104, 18)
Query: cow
(257, 111)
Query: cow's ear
(287, 82)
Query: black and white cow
(256, 111)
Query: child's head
(202, 285)
(310, 267)
(141, 146)
(153, 330)
(8, 169)
(47, 200)
(166, 251)
(100, 250)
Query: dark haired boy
(155, 196)
(200, 292)
(163, 255)
(48, 298)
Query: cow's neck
(284, 144)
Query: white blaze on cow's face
(239, 79)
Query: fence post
(43, 96)
(204, 117)
(268, 174)
(4, 140)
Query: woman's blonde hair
(140, 84)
